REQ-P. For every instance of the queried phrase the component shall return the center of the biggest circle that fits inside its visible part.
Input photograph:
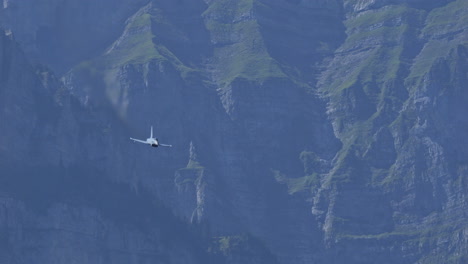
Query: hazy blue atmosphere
(302, 131)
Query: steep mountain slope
(394, 111)
(56, 206)
(245, 116)
(327, 131)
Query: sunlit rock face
(302, 131)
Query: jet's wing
(164, 145)
(137, 140)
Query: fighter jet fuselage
(151, 141)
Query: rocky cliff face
(44, 214)
(396, 151)
(307, 131)
(56, 203)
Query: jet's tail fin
(151, 132)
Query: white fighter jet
(151, 141)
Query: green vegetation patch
(348, 165)
(240, 46)
(228, 243)
(136, 46)
(190, 174)
(373, 17)
(383, 31)
(377, 71)
(245, 56)
(451, 17)
(378, 175)
(379, 65)
(295, 185)
(381, 35)
(242, 248)
(227, 10)
(448, 20)
(373, 71)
